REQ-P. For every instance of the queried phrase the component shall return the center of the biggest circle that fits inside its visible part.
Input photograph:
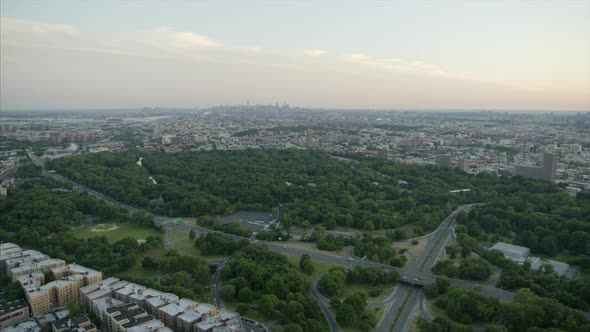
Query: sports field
(114, 232)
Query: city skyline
(473, 55)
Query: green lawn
(351, 288)
(319, 268)
(186, 247)
(117, 231)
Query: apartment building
(545, 172)
(43, 298)
(13, 312)
(169, 313)
(77, 324)
(126, 316)
(89, 276)
(153, 326)
(28, 267)
(103, 289)
(443, 161)
(154, 304)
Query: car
(416, 279)
(405, 278)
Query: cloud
(11, 26)
(314, 52)
(165, 66)
(168, 37)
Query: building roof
(204, 308)
(67, 322)
(511, 250)
(105, 302)
(153, 326)
(138, 321)
(560, 268)
(93, 287)
(10, 306)
(189, 316)
(122, 307)
(26, 326)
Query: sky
(320, 54)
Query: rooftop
(10, 306)
(511, 250)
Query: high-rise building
(309, 137)
(549, 166)
(443, 161)
(545, 172)
(463, 165)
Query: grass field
(183, 244)
(351, 288)
(115, 232)
(313, 247)
(319, 268)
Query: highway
(399, 312)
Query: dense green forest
(528, 312)
(550, 224)
(352, 311)
(313, 187)
(40, 213)
(257, 275)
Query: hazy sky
(345, 54)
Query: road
(400, 314)
(216, 286)
(313, 290)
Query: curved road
(315, 293)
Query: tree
(443, 284)
(267, 304)
(474, 269)
(243, 308)
(75, 309)
(358, 301)
(294, 309)
(191, 235)
(452, 251)
(332, 283)
(245, 295)
(293, 327)
(228, 292)
(305, 264)
(346, 315)
(149, 263)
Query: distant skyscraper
(309, 137)
(463, 165)
(549, 166)
(443, 161)
(545, 172)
